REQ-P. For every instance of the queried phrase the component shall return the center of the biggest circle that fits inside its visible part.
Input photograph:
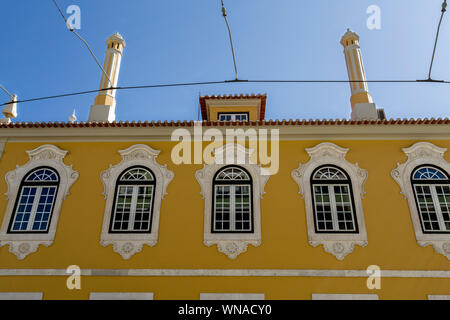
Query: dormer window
(233, 108)
(233, 116)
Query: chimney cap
(349, 35)
(117, 37)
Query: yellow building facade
(333, 199)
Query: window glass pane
(426, 208)
(232, 173)
(329, 173)
(242, 207)
(24, 207)
(323, 208)
(344, 208)
(429, 173)
(44, 208)
(233, 117)
(143, 208)
(222, 208)
(42, 175)
(123, 208)
(443, 194)
(137, 174)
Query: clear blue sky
(172, 41)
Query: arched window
(232, 201)
(34, 205)
(133, 203)
(431, 187)
(333, 203)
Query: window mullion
(250, 205)
(333, 207)
(232, 208)
(133, 208)
(34, 208)
(437, 207)
(416, 194)
(214, 220)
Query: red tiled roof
(283, 122)
(263, 98)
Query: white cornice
(307, 132)
(341, 273)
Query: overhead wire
(212, 83)
(236, 80)
(443, 10)
(6, 91)
(84, 41)
(224, 14)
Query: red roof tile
(290, 122)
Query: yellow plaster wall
(391, 240)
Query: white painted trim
(22, 244)
(346, 296)
(422, 153)
(128, 244)
(232, 296)
(441, 274)
(121, 296)
(286, 133)
(438, 297)
(232, 244)
(327, 153)
(2, 146)
(21, 295)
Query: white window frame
(338, 244)
(233, 116)
(128, 244)
(436, 205)
(233, 204)
(22, 244)
(232, 296)
(232, 244)
(134, 197)
(333, 205)
(121, 296)
(37, 198)
(422, 153)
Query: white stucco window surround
(338, 244)
(232, 244)
(127, 244)
(24, 243)
(422, 153)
